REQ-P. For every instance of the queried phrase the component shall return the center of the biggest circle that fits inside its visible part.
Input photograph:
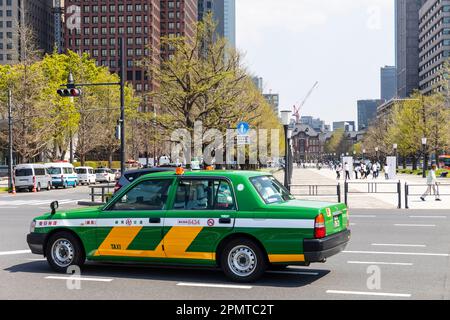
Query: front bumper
(36, 242)
(318, 250)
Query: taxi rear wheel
(242, 260)
(64, 250)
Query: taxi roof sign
(179, 171)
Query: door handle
(155, 220)
(225, 220)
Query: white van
(63, 174)
(85, 175)
(30, 176)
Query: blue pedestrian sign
(243, 128)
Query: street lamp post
(376, 151)
(364, 154)
(424, 148)
(10, 143)
(285, 119)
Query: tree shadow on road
(288, 278)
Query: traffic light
(72, 92)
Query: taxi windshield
(270, 190)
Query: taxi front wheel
(64, 250)
(242, 260)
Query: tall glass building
(224, 12)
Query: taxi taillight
(319, 227)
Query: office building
(388, 83)
(315, 123)
(407, 45)
(434, 43)
(348, 126)
(178, 19)
(259, 83)
(34, 14)
(273, 100)
(367, 112)
(224, 12)
(102, 23)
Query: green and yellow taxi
(243, 222)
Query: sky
(342, 44)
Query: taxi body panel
(175, 235)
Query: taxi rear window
(270, 190)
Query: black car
(131, 175)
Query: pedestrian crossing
(20, 203)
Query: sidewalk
(370, 201)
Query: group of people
(361, 170)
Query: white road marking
(399, 245)
(353, 224)
(295, 272)
(78, 278)
(361, 216)
(429, 217)
(8, 207)
(210, 285)
(415, 225)
(401, 253)
(5, 253)
(37, 259)
(381, 263)
(365, 293)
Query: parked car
(32, 176)
(240, 221)
(104, 175)
(132, 175)
(63, 174)
(86, 175)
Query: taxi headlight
(32, 226)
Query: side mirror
(53, 206)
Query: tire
(63, 250)
(251, 265)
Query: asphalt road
(409, 250)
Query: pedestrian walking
(432, 185)
(338, 171)
(386, 171)
(347, 171)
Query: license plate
(336, 221)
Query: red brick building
(95, 27)
(178, 18)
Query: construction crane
(296, 111)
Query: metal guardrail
(316, 190)
(373, 187)
(105, 190)
(424, 186)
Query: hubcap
(242, 261)
(62, 252)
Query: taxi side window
(203, 195)
(148, 195)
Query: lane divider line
(399, 245)
(414, 225)
(381, 263)
(6, 253)
(365, 293)
(429, 217)
(401, 253)
(211, 285)
(78, 278)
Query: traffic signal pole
(73, 91)
(122, 105)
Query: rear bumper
(318, 250)
(36, 242)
